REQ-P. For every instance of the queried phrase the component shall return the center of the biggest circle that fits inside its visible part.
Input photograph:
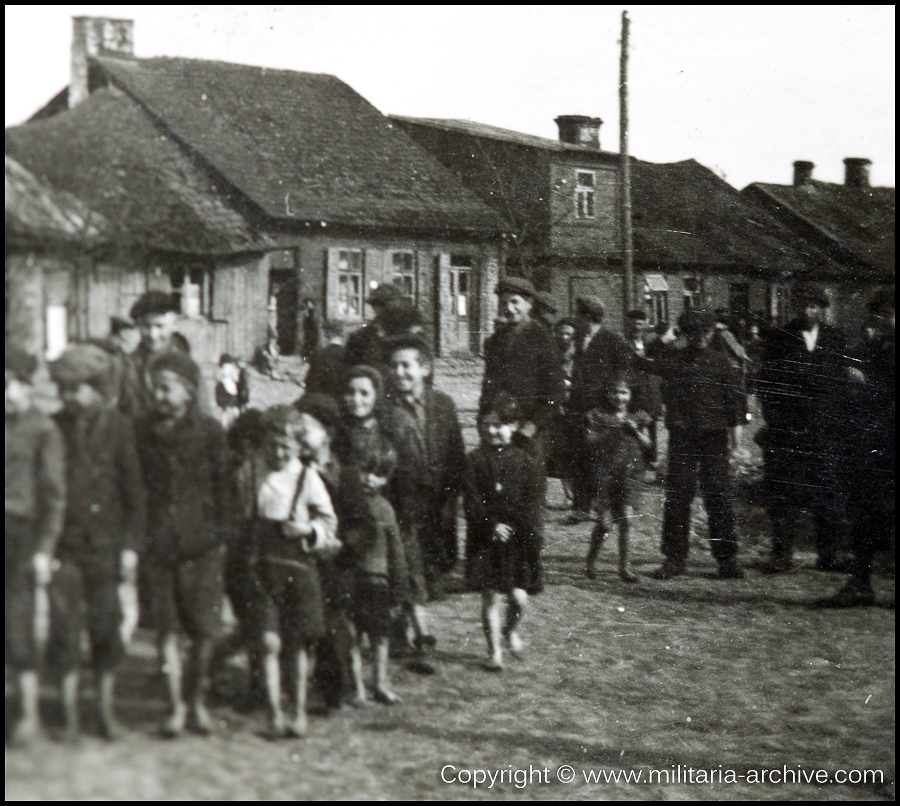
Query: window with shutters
(585, 187)
(351, 290)
(403, 267)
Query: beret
(696, 321)
(324, 408)
(151, 304)
(591, 307)
(81, 363)
(810, 293)
(178, 362)
(545, 301)
(384, 295)
(515, 285)
(20, 364)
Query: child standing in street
(189, 519)
(620, 442)
(295, 522)
(504, 489)
(35, 504)
(102, 532)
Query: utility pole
(625, 176)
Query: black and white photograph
(450, 402)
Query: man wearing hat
(365, 346)
(102, 532)
(544, 310)
(156, 316)
(802, 390)
(870, 470)
(521, 360)
(703, 398)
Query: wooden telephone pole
(625, 176)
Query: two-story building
(243, 190)
(697, 241)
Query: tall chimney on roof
(856, 172)
(95, 36)
(802, 172)
(579, 130)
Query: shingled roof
(109, 153)
(855, 224)
(39, 214)
(684, 214)
(300, 146)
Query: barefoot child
(189, 519)
(35, 503)
(619, 442)
(504, 489)
(295, 521)
(102, 531)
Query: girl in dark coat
(504, 492)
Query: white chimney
(95, 36)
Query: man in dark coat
(326, 364)
(521, 360)
(703, 396)
(802, 388)
(365, 346)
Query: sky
(745, 90)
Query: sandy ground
(731, 678)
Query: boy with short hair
(35, 505)
(504, 489)
(189, 519)
(102, 532)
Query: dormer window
(585, 184)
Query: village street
(696, 673)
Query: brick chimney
(856, 172)
(802, 172)
(579, 130)
(95, 36)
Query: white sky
(744, 90)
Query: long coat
(106, 507)
(190, 499)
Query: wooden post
(625, 176)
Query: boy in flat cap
(802, 389)
(189, 518)
(703, 398)
(35, 504)
(102, 532)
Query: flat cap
(515, 285)
(151, 304)
(808, 292)
(178, 362)
(544, 301)
(82, 363)
(696, 322)
(385, 294)
(590, 306)
(19, 364)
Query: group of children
(324, 522)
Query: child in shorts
(35, 506)
(619, 443)
(504, 490)
(295, 521)
(190, 503)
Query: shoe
(668, 570)
(777, 565)
(730, 570)
(849, 596)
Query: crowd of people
(331, 524)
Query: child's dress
(503, 485)
(617, 460)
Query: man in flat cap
(102, 532)
(365, 346)
(703, 397)
(802, 390)
(544, 311)
(521, 360)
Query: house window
(192, 291)
(585, 184)
(350, 284)
(460, 277)
(404, 274)
(739, 297)
(656, 295)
